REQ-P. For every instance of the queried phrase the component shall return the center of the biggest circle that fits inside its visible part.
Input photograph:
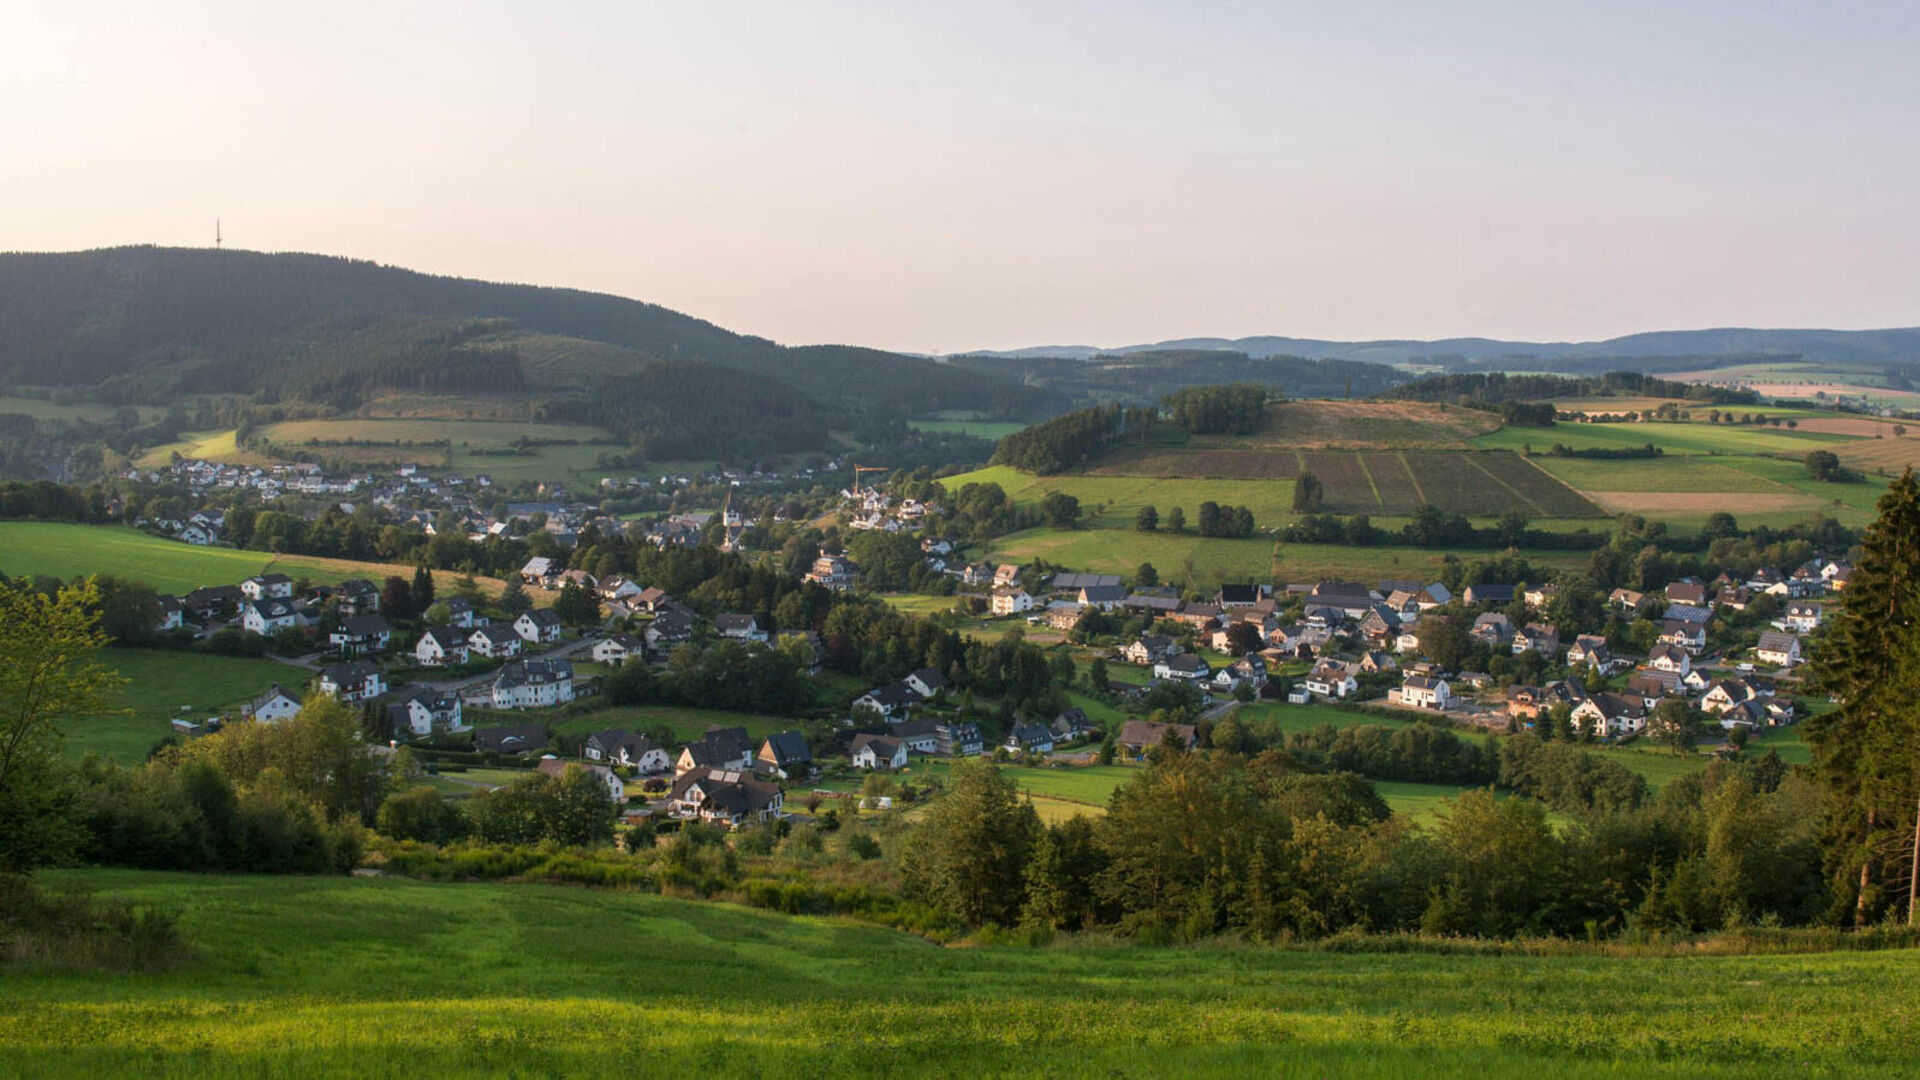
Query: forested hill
(146, 324)
(1143, 377)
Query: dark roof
(1239, 594)
(731, 620)
(497, 633)
(533, 672)
(1186, 662)
(449, 637)
(787, 747)
(543, 618)
(884, 746)
(1143, 734)
(1031, 734)
(729, 791)
(930, 677)
(352, 673)
(366, 626)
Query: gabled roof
(541, 617)
(366, 626)
(449, 638)
(786, 748)
(884, 746)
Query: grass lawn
(160, 683)
(330, 977)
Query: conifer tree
(1866, 753)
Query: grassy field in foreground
(332, 977)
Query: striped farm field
(1674, 438)
(1346, 486)
(1393, 481)
(1547, 495)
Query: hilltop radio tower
(216, 233)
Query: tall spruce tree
(1867, 752)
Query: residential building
(278, 703)
(355, 680)
(883, 752)
(440, 646)
(537, 626)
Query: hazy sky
(946, 176)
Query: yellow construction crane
(858, 469)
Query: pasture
(993, 430)
(222, 446)
(1188, 559)
(686, 723)
(67, 551)
(329, 977)
(1112, 501)
(164, 685)
(1696, 437)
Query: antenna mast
(216, 234)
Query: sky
(942, 177)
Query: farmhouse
(1611, 715)
(527, 684)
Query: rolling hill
(1655, 351)
(147, 325)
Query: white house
(1670, 658)
(495, 642)
(439, 646)
(270, 616)
(1778, 649)
(424, 711)
(737, 627)
(353, 681)
(1185, 666)
(361, 635)
(537, 626)
(278, 703)
(879, 752)
(1802, 617)
(730, 796)
(1423, 692)
(1012, 601)
(268, 587)
(1331, 678)
(618, 648)
(529, 684)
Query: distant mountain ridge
(156, 325)
(1898, 346)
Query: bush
(41, 929)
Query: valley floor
(385, 977)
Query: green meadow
(333, 977)
(68, 551)
(1112, 501)
(164, 685)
